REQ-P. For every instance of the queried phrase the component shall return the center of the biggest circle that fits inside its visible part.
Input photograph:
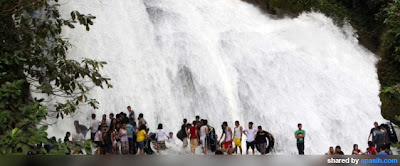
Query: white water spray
(225, 60)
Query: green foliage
(389, 66)
(393, 91)
(361, 14)
(63, 148)
(396, 146)
(33, 61)
(296, 7)
(19, 120)
(391, 40)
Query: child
(371, 149)
(171, 138)
(161, 136)
(141, 137)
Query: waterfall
(225, 60)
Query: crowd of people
(379, 141)
(199, 133)
(124, 134)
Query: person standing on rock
(299, 135)
(193, 135)
(94, 127)
(131, 116)
(261, 139)
(204, 130)
(183, 134)
(227, 131)
(237, 137)
(250, 134)
(371, 133)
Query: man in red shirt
(193, 137)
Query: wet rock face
(186, 79)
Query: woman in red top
(356, 151)
(193, 137)
(371, 149)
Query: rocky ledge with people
(126, 135)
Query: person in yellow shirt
(141, 137)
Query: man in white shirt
(250, 134)
(77, 137)
(94, 127)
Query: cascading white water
(225, 60)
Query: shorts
(250, 144)
(262, 147)
(141, 145)
(161, 145)
(203, 142)
(238, 142)
(228, 144)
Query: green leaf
(71, 26)
(14, 132)
(73, 16)
(44, 128)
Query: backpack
(212, 139)
(179, 135)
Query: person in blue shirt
(131, 130)
(383, 151)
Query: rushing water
(225, 60)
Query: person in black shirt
(131, 115)
(118, 117)
(66, 138)
(338, 150)
(379, 138)
(386, 136)
(261, 140)
(371, 133)
(184, 130)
